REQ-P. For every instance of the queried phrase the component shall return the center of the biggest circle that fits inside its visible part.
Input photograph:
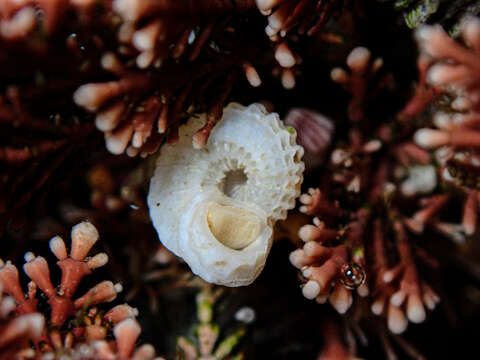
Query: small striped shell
(216, 207)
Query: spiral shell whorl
(250, 161)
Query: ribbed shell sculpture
(215, 207)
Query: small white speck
(245, 314)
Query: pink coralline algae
(306, 17)
(75, 325)
(286, 21)
(17, 331)
(453, 70)
(344, 250)
(139, 111)
(20, 18)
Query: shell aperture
(215, 207)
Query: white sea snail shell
(216, 207)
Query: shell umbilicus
(216, 207)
